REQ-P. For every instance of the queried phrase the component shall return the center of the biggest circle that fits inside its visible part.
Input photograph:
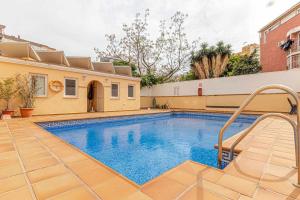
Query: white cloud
(77, 26)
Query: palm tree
(211, 61)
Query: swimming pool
(143, 147)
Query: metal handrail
(242, 107)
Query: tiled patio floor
(35, 164)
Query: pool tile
(55, 185)
(163, 189)
(114, 188)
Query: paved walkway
(35, 164)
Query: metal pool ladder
(296, 126)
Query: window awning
(106, 67)
(80, 62)
(53, 57)
(22, 50)
(123, 70)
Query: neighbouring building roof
(295, 8)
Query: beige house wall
(262, 103)
(56, 103)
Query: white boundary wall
(244, 84)
(183, 88)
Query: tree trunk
(206, 66)
(218, 65)
(224, 63)
(200, 69)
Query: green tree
(243, 64)
(190, 75)
(150, 79)
(7, 90)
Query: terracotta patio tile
(163, 188)
(218, 189)
(19, 194)
(12, 183)
(197, 193)
(212, 175)
(282, 161)
(10, 170)
(46, 173)
(182, 177)
(55, 185)
(238, 184)
(96, 177)
(279, 171)
(41, 163)
(6, 147)
(82, 165)
(137, 196)
(279, 185)
(254, 156)
(115, 188)
(191, 167)
(262, 194)
(78, 193)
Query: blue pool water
(143, 147)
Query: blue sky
(77, 26)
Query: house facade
(68, 84)
(280, 42)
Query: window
(115, 90)
(130, 91)
(40, 84)
(70, 87)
